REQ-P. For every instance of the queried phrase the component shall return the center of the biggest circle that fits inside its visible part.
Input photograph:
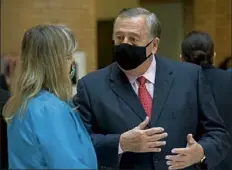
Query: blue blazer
(49, 135)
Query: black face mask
(130, 56)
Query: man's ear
(214, 57)
(181, 58)
(155, 45)
(157, 40)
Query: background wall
(214, 17)
(177, 16)
(108, 9)
(171, 17)
(19, 15)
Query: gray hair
(151, 19)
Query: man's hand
(185, 157)
(140, 140)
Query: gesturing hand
(185, 157)
(140, 140)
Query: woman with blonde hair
(43, 131)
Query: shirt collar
(149, 74)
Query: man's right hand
(141, 140)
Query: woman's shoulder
(44, 98)
(45, 103)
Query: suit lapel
(163, 83)
(122, 87)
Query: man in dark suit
(146, 112)
(4, 95)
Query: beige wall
(108, 9)
(171, 24)
(214, 17)
(19, 15)
(81, 17)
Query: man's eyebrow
(130, 33)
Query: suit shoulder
(219, 74)
(180, 65)
(223, 72)
(98, 75)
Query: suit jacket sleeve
(215, 140)
(106, 145)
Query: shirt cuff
(120, 151)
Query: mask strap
(147, 46)
(149, 55)
(149, 43)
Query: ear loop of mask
(73, 71)
(147, 46)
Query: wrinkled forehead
(134, 24)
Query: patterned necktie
(144, 96)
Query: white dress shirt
(150, 77)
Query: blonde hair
(43, 64)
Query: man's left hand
(186, 157)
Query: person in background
(7, 68)
(4, 95)
(3, 82)
(198, 48)
(145, 111)
(226, 64)
(229, 69)
(43, 130)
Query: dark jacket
(220, 82)
(4, 95)
(182, 104)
